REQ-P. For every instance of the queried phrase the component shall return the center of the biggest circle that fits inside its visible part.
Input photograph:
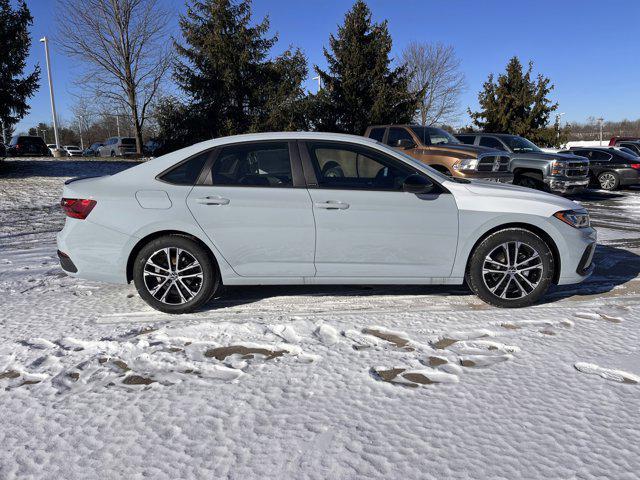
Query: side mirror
(405, 143)
(417, 184)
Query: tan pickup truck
(443, 152)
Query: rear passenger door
(253, 205)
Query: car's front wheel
(175, 274)
(511, 268)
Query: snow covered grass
(311, 382)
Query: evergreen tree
(516, 103)
(360, 88)
(15, 87)
(231, 85)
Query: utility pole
(53, 103)
(118, 123)
(600, 121)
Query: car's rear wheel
(511, 268)
(175, 274)
(609, 181)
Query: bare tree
(435, 69)
(126, 47)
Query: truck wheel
(609, 181)
(529, 180)
(511, 268)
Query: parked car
(610, 168)
(443, 152)
(93, 150)
(72, 150)
(152, 148)
(27, 146)
(615, 141)
(632, 145)
(118, 147)
(261, 209)
(534, 168)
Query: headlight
(557, 167)
(575, 218)
(466, 164)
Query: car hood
(490, 189)
(546, 156)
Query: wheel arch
(533, 229)
(162, 233)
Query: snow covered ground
(311, 382)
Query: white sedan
(265, 209)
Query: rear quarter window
(377, 134)
(187, 172)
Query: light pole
(600, 121)
(319, 81)
(80, 117)
(558, 117)
(53, 103)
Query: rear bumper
(95, 252)
(629, 176)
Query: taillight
(635, 165)
(77, 207)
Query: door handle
(331, 205)
(213, 200)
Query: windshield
(520, 145)
(434, 136)
(629, 151)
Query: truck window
(491, 143)
(468, 139)
(395, 134)
(377, 133)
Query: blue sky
(587, 48)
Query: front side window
(254, 164)
(491, 143)
(434, 136)
(356, 168)
(396, 134)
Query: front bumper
(576, 254)
(566, 184)
(501, 177)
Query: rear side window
(186, 173)
(128, 141)
(265, 164)
(377, 134)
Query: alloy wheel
(512, 270)
(607, 181)
(173, 276)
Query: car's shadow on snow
(61, 167)
(614, 268)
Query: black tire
(609, 181)
(540, 278)
(529, 180)
(113, 154)
(206, 288)
(332, 170)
